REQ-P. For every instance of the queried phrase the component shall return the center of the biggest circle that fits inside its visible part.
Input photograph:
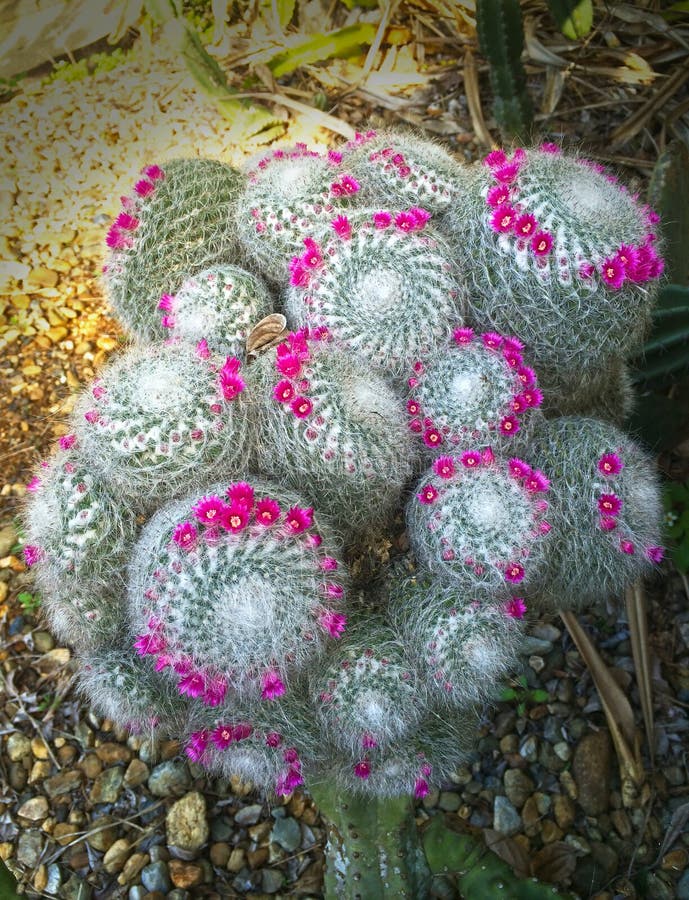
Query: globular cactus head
(472, 393)
(236, 589)
(559, 252)
(464, 644)
(607, 394)
(480, 522)
(367, 694)
(382, 283)
(606, 511)
(404, 169)
(331, 428)
(78, 538)
(161, 418)
(218, 305)
(288, 193)
(125, 689)
(178, 221)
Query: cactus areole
(220, 534)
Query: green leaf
(668, 193)
(318, 47)
(278, 11)
(539, 696)
(507, 694)
(574, 19)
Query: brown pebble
(6, 850)
(115, 857)
(91, 766)
(137, 772)
(34, 810)
(531, 817)
(675, 860)
(550, 831)
(64, 833)
(169, 749)
(63, 782)
(113, 753)
(66, 755)
(236, 860)
(260, 831)
(40, 770)
(591, 766)
(132, 867)
(103, 833)
(77, 858)
(258, 857)
(40, 879)
(564, 811)
(620, 820)
(185, 874)
(509, 743)
(220, 853)
(39, 748)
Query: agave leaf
(574, 17)
(315, 48)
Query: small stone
(506, 819)
(579, 844)
(518, 787)
(546, 632)
(248, 815)
(29, 848)
(76, 889)
(39, 748)
(8, 538)
(674, 775)
(537, 663)
(529, 748)
(132, 867)
(533, 646)
(620, 820)
(509, 744)
(40, 879)
(64, 833)
(568, 784)
(531, 817)
(102, 833)
(91, 766)
(40, 277)
(40, 770)
(17, 776)
(258, 857)
(111, 753)
(169, 779)
(675, 860)
(564, 811)
(562, 750)
(186, 823)
(287, 833)
(155, 877)
(18, 746)
(63, 783)
(550, 831)
(219, 854)
(185, 874)
(66, 755)
(106, 788)
(606, 857)
(591, 770)
(116, 856)
(272, 880)
(137, 772)
(236, 860)
(449, 801)
(54, 879)
(35, 810)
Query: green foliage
(676, 501)
(277, 12)
(29, 602)
(64, 70)
(501, 39)
(315, 48)
(669, 193)
(520, 693)
(574, 17)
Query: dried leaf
(266, 334)
(473, 96)
(509, 851)
(679, 819)
(554, 863)
(638, 629)
(635, 70)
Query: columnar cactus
(219, 305)
(559, 252)
(157, 413)
(480, 522)
(464, 644)
(403, 169)
(605, 509)
(235, 589)
(333, 430)
(178, 221)
(472, 392)
(78, 536)
(383, 284)
(288, 193)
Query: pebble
(18, 746)
(591, 770)
(137, 772)
(185, 874)
(506, 819)
(8, 538)
(236, 860)
(106, 788)
(104, 833)
(563, 751)
(111, 753)
(43, 641)
(533, 646)
(63, 783)
(116, 856)
(287, 833)
(132, 867)
(29, 848)
(518, 786)
(449, 801)
(248, 815)
(155, 877)
(529, 748)
(35, 810)
(564, 811)
(546, 632)
(186, 823)
(169, 778)
(272, 880)
(219, 853)
(76, 889)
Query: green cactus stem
(373, 847)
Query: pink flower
(193, 685)
(231, 383)
(515, 608)
(185, 536)
(404, 221)
(428, 495)
(334, 156)
(492, 340)
(362, 769)
(586, 270)
(525, 225)
(487, 456)
(298, 519)
(332, 622)
(607, 523)
(463, 336)
(527, 376)
(421, 788)
(420, 216)
(328, 564)
(115, 239)
(283, 391)
(514, 573)
(209, 510)
(413, 407)
(509, 425)
(655, 554)
(609, 504)
(126, 222)
(610, 464)
(312, 259)
(202, 349)
(198, 741)
(342, 227)
(432, 437)
(166, 302)
(144, 187)
(629, 257)
(612, 272)
(273, 739)
(368, 742)
(242, 731)
(542, 243)
(223, 736)
(382, 219)
(536, 482)
(235, 517)
(627, 547)
(507, 173)
(547, 147)
(533, 397)
(288, 364)
(498, 195)
(502, 219)
(272, 686)
(519, 404)
(495, 158)
(215, 692)
(299, 273)
(32, 554)
(512, 344)
(34, 484)
(167, 321)
(301, 407)
(67, 441)
(518, 468)
(471, 459)
(444, 466)
(349, 185)
(334, 590)
(241, 492)
(267, 511)
(155, 173)
(150, 643)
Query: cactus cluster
(199, 533)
